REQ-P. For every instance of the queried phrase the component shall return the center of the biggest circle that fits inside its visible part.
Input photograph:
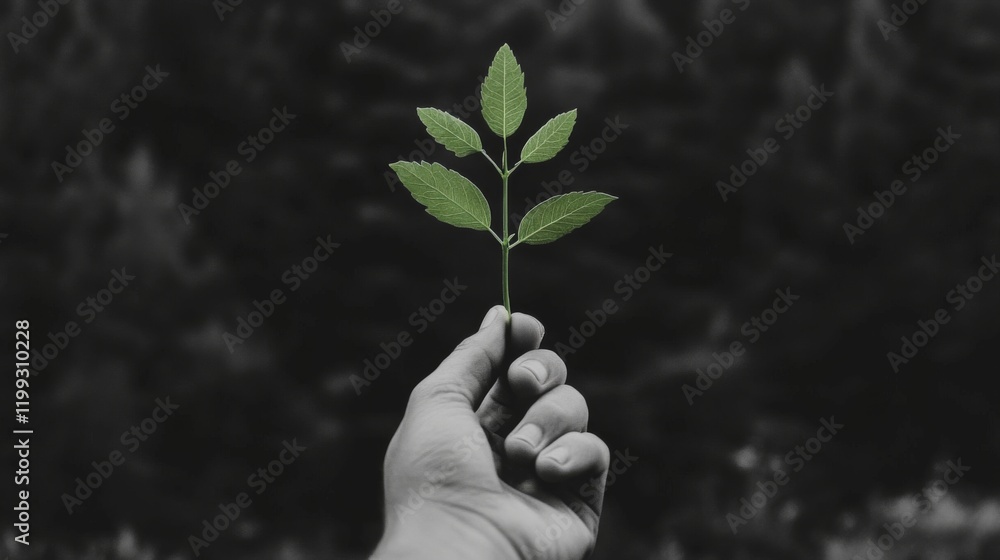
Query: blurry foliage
(324, 175)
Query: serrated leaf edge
(436, 169)
(505, 133)
(526, 239)
(524, 157)
(440, 117)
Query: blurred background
(695, 87)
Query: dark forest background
(325, 176)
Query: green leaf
(549, 139)
(451, 132)
(504, 96)
(448, 196)
(560, 215)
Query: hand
(508, 474)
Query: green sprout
(455, 200)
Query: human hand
(492, 459)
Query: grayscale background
(324, 176)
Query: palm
(458, 472)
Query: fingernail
(537, 369)
(530, 434)
(559, 455)
(490, 317)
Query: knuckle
(426, 390)
(419, 392)
(571, 402)
(551, 358)
(480, 357)
(604, 452)
(539, 327)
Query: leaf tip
(403, 166)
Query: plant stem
(505, 242)
(505, 272)
(493, 163)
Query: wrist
(443, 536)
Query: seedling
(455, 200)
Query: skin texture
(492, 454)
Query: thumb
(467, 373)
